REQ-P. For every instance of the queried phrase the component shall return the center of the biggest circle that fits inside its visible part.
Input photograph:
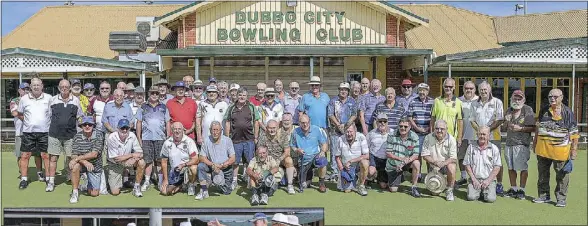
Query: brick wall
(180, 36)
(392, 33)
(190, 22)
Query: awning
(213, 51)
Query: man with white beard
(520, 122)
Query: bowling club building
(260, 41)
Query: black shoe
(415, 193)
(461, 182)
(511, 193)
(23, 184)
(520, 195)
(542, 199)
(128, 184)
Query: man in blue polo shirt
(115, 111)
(310, 143)
(314, 104)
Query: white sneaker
(50, 187)
(137, 192)
(145, 186)
(254, 200)
(291, 190)
(201, 195)
(449, 195)
(74, 197)
(191, 190)
(41, 176)
(264, 199)
(234, 185)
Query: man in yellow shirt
(448, 108)
(76, 90)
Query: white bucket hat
(280, 218)
(315, 80)
(293, 220)
(345, 85)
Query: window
(354, 76)
(530, 90)
(498, 88)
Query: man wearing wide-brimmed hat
(130, 92)
(198, 89)
(164, 86)
(314, 104)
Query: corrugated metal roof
(450, 30)
(80, 29)
(532, 27)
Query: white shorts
(517, 157)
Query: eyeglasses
(294, 88)
(403, 127)
(197, 88)
(315, 85)
(88, 90)
(382, 121)
(124, 128)
(469, 88)
(270, 96)
(448, 87)
(553, 97)
(407, 87)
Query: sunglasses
(89, 89)
(200, 88)
(294, 88)
(382, 121)
(103, 88)
(270, 95)
(124, 128)
(403, 127)
(469, 88)
(154, 93)
(407, 87)
(87, 125)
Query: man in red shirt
(258, 98)
(182, 109)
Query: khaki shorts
(517, 157)
(115, 172)
(59, 146)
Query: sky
(14, 13)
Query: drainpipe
(573, 99)
(449, 70)
(196, 68)
(425, 69)
(155, 217)
(20, 78)
(311, 66)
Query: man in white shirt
(291, 101)
(440, 151)
(377, 142)
(124, 152)
(34, 110)
(209, 110)
(270, 108)
(352, 158)
(482, 163)
(469, 135)
(489, 111)
(182, 154)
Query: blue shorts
(380, 165)
(94, 178)
(244, 149)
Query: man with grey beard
(520, 122)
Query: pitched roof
(450, 30)
(80, 29)
(532, 27)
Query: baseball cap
(211, 88)
(139, 89)
(88, 86)
(123, 123)
(382, 116)
(75, 81)
(406, 82)
(212, 79)
(423, 86)
(179, 84)
(162, 82)
(87, 120)
(259, 216)
(518, 92)
(234, 86)
(344, 85)
(24, 85)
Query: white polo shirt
(36, 112)
(440, 151)
(209, 113)
(181, 153)
(357, 148)
(116, 147)
(274, 112)
(466, 110)
(486, 114)
(482, 162)
(377, 143)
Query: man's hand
(215, 167)
(399, 167)
(199, 140)
(341, 128)
(300, 151)
(405, 160)
(458, 142)
(130, 162)
(517, 128)
(340, 166)
(256, 176)
(573, 154)
(476, 183)
(508, 117)
(88, 166)
(485, 184)
(321, 154)
(73, 163)
(347, 165)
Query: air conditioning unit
(145, 26)
(127, 41)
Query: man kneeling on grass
(86, 158)
(352, 158)
(264, 176)
(440, 151)
(217, 157)
(182, 154)
(124, 152)
(403, 155)
(482, 162)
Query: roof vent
(127, 41)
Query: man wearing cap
(223, 92)
(352, 158)
(342, 112)
(394, 110)
(97, 104)
(242, 126)
(124, 152)
(212, 81)
(377, 142)
(519, 120)
(164, 87)
(23, 89)
(280, 94)
(154, 127)
(34, 109)
(270, 108)
(419, 113)
(198, 91)
(469, 135)
(216, 157)
(367, 105)
(440, 151)
(257, 99)
(278, 148)
(556, 143)
(233, 94)
(209, 110)
(259, 169)
(182, 109)
(310, 143)
(403, 156)
(489, 111)
(89, 94)
(482, 161)
(407, 94)
(292, 100)
(182, 154)
(86, 158)
(130, 92)
(259, 219)
(314, 104)
(65, 112)
(76, 90)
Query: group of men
(189, 134)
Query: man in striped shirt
(391, 108)
(86, 158)
(419, 113)
(367, 105)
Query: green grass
(340, 208)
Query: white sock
(51, 180)
(125, 179)
(463, 174)
(24, 178)
(75, 190)
(522, 188)
(137, 184)
(515, 188)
